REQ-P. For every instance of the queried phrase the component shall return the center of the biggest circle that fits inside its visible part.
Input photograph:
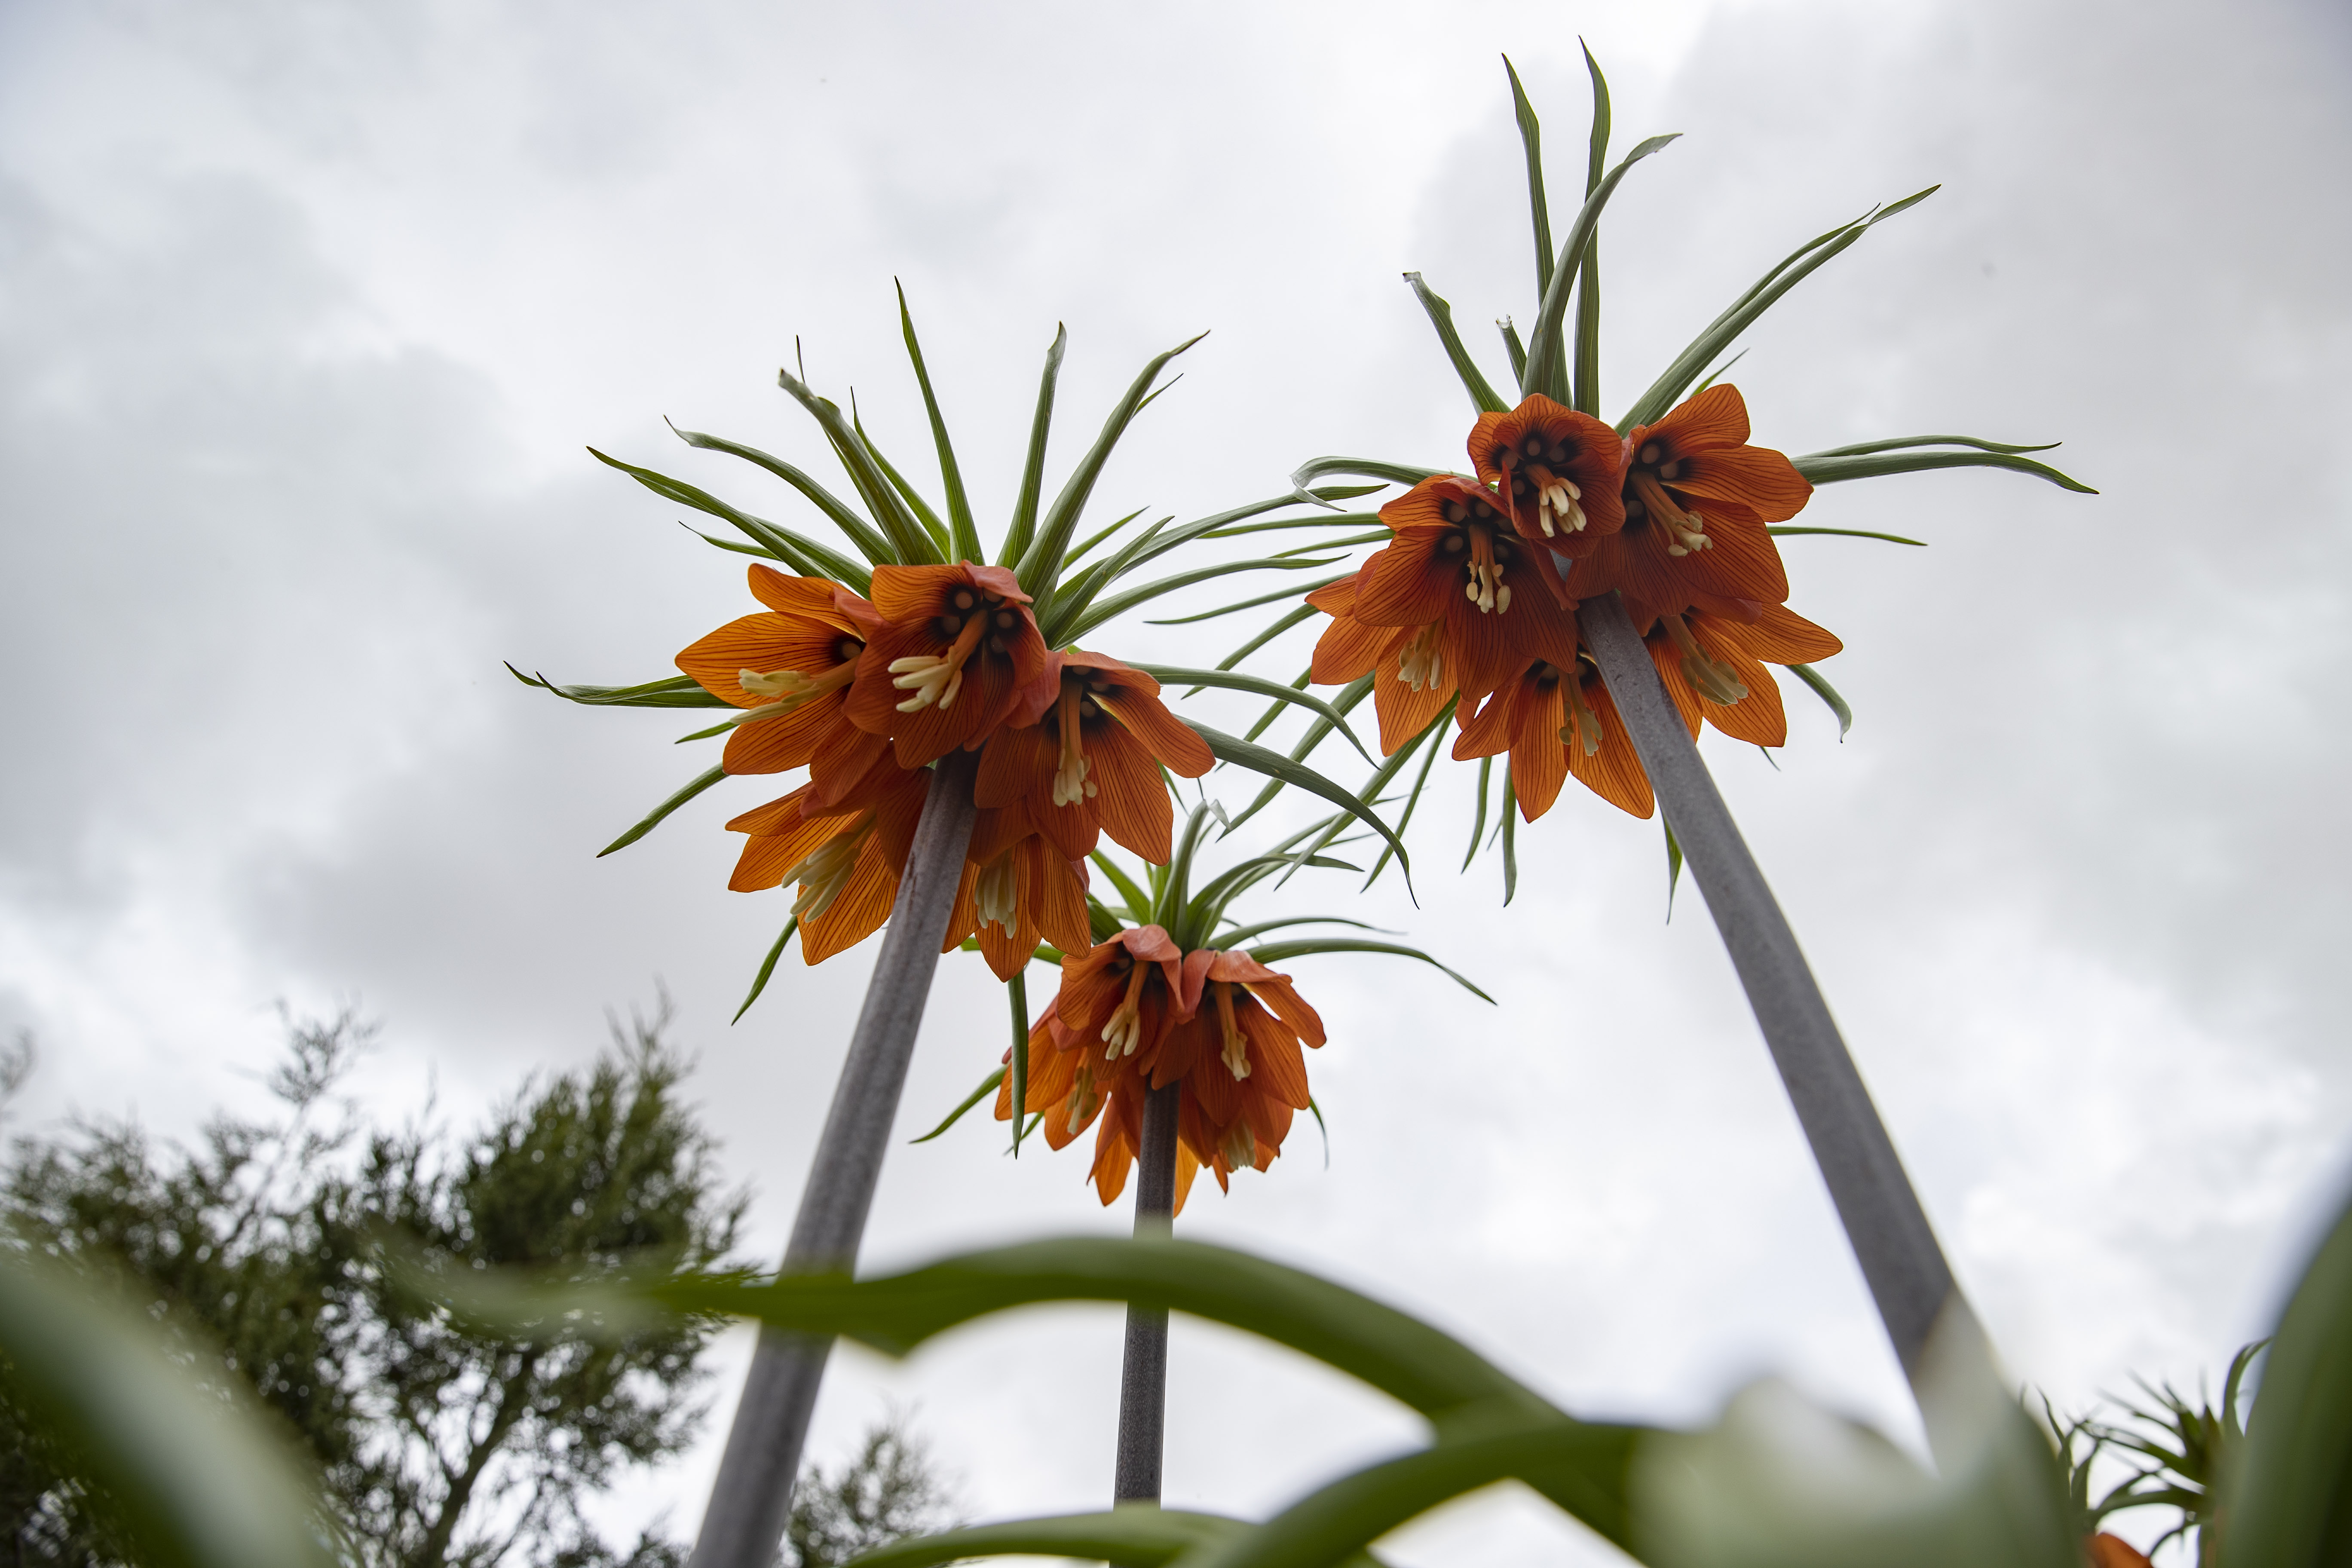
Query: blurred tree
(261, 1253)
(887, 1492)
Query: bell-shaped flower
(1713, 666)
(1696, 498)
(1091, 763)
(1557, 473)
(956, 654)
(1556, 718)
(789, 669)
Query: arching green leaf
(1041, 562)
(1234, 681)
(1021, 531)
(672, 691)
(1547, 369)
(987, 1086)
(1275, 952)
(963, 532)
(1483, 396)
(767, 968)
(1824, 468)
(654, 818)
(1667, 390)
(804, 555)
(909, 540)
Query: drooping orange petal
(765, 643)
(859, 909)
(1614, 773)
(1130, 796)
(1714, 418)
(1348, 650)
(789, 741)
(1174, 742)
(1539, 755)
(1277, 1066)
(1756, 478)
(1780, 636)
(1404, 713)
(1408, 580)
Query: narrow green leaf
(1323, 1127)
(767, 967)
(1282, 624)
(1898, 443)
(1285, 593)
(1240, 934)
(1139, 902)
(1824, 470)
(1531, 139)
(1513, 347)
(1234, 681)
(1718, 372)
(909, 540)
(900, 485)
(1827, 694)
(1371, 794)
(862, 535)
(1412, 803)
(1419, 1366)
(1584, 1468)
(1850, 533)
(1483, 396)
(1092, 540)
(1017, 996)
(1336, 520)
(1404, 474)
(671, 691)
(1325, 546)
(1274, 953)
(1275, 711)
(1349, 698)
(964, 534)
(200, 1480)
(1022, 528)
(804, 555)
(1588, 284)
(1510, 832)
(1478, 827)
(1041, 563)
(1159, 540)
(653, 819)
(1273, 765)
(1674, 865)
(1125, 1537)
(1719, 335)
(1547, 367)
(987, 1086)
(1119, 605)
(729, 545)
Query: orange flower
(1414, 669)
(1556, 718)
(1449, 569)
(2107, 1550)
(1713, 666)
(957, 653)
(1130, 1017)
(847, 859)
(1017, 889)
(791, 669)
(1557, 472)
(1090, 765)
(1696, 498)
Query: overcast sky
(306, 312)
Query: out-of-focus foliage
(889, 1491)
(258, 1258)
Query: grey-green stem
(1907, 1275)
(1143, 1375)
(752, 1498)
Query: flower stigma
(935, 679)
(996, 891)
(1236, 1053)
(1124, 1030)
(826, 871)
(1239, 1146)
(1071, 785)
(1422, 662)
(1713, 679)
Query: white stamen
(823, 874)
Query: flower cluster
(1137, 1013)
(868, 694)
(1472, 601)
